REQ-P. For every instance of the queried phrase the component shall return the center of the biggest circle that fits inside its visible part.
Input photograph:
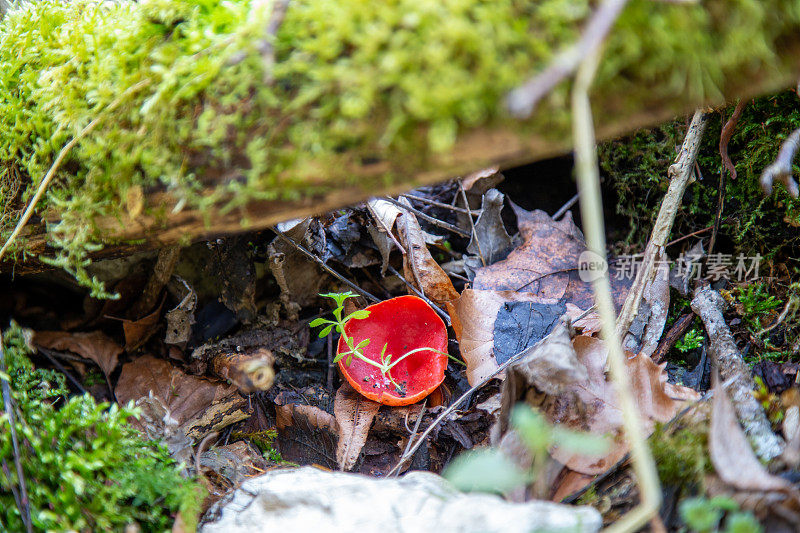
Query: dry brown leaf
(186, 397)
(137, 332)
(732, 456)
(307, 434)
(593, 406)
(354, 415)
(419, 267)
(316, 417)
(473, 317)
(546, 263)
(385, 213)
(94, 345)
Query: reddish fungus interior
(403, 324)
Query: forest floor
(247, 355)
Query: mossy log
(227, 116)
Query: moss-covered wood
(223, 126)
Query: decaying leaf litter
(214, 344)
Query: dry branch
(725, 357)
(680, 174)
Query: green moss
(752, 223)
(352, 80)
(86, 469)
(681, 455)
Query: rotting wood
(250, 372)
(725, 356)
(219, 415)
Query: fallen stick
(725, 357)
(250, 372)
(781, 169)
(680, 174)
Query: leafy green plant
(756, 302)
(703, 515)
(356, 349)
(489, 470)
(85, 467)
(691, 341)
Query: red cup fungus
(403, 324)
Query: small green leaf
(363, 344)
(339, 356)
(579, 442)
(349, 360)
(357, 315)
(325, 331)
(318, 322)
(486, 470)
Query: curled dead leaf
(593, 406)
(354, 415)
(732, 456)
(419, 267)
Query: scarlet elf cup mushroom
(407, 343)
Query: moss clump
(86, 469)
(681, 455)
(351, 80)
(752, 223)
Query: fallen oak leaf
(474, 315)
(593, 406)
(354, 414)
(93, 345)
(198, 405)
(546, 263)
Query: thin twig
(438, 309)
(588, 175)
(726, 134)
(693, 234)
(781, 169)
(8, 403)
(440, 204)
(325, 267)
(266, 46)
(428, 218)
(472, 236)
(680, 174)
(718, 216)
(791, 305)
(566, 207)
(26, 216)
(50, 357)
(678, 330)
(522, 101)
